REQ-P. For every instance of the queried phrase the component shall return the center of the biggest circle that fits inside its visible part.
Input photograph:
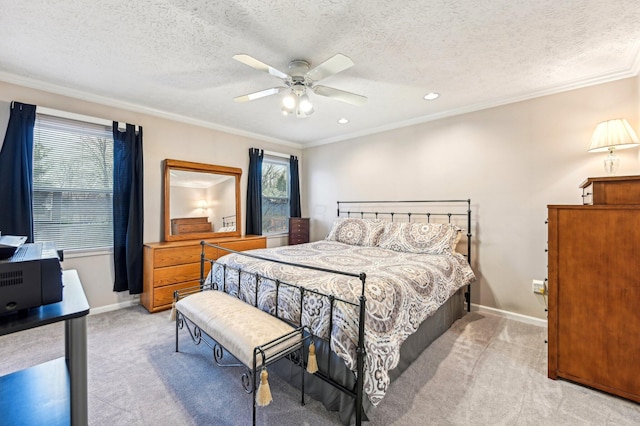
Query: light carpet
(485, 370)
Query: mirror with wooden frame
(200, 201)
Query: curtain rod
(277, 154)
(73, 116)
(79, 117)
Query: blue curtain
(254, 193)
(16, 172)
(128, 215)
(294, 202)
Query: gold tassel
(172, 315)
(263, 397)
(312, 363)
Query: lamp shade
(613, 134)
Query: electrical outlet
(539, 287)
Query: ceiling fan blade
(331, 66)
(260, 66)
(340, 95)
(260, 94)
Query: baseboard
(510, 315)
(474, 307)
(114, 307)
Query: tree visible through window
(275, 195)
(72, 183)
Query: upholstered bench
(252, 336)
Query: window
(275, 195)
(72, 183)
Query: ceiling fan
(299, 79)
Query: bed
(228, 223)
(386, 281)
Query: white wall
(512, 161)
(5, 110)
(226, 190)
(163, 139)
(185, 202)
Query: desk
(55, 392)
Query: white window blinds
(72, 183)
(275, 195)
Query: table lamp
(609, 136)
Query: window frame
(281, 160)
(43, 113)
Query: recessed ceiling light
(431, 96)
(343, 121)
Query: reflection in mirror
(201, 200)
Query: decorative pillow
(356, 232)
(429, 238)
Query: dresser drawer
(163, 296)
(187, 225)
(298, 240)
(181, 255)
(178, 274)
(299, 226)
(299, 223)
(298, 232)
(175, 274)
(587, 195)
(616, 190)
(191, 227)
(302, 230)
(243, 245)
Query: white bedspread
(402, 290)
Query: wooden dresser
(174, 265)
(298, 230)
(594, 287)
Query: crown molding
(103, 100)
(632, 71)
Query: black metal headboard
(449, 211)
(227, 222)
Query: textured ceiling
(174, 58)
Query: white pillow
(429, 238)
(357, 232)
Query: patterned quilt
(402, 290)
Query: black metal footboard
(358, 391)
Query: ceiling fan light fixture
(300, 78)
(289, 101)
(431, 96)
(305, 104)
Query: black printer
(31, 277)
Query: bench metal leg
(253, 394)
(302, 370)
(182, 321)
(177, 316)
